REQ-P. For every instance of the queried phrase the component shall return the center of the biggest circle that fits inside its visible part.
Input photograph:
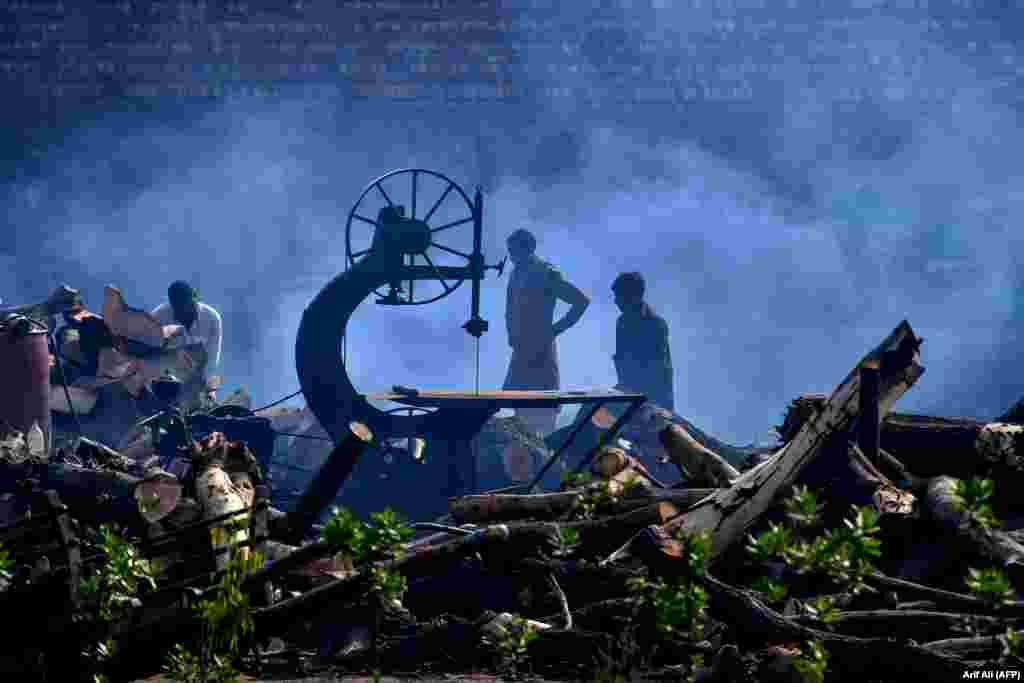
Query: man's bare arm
(578, 302)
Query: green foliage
(570, 480)
(389, 585)
(770, 543)
(803, 508)
(845, 554)
(343, 531)
(772, 590)
(1013, 644)
(185, 667)
(381, 539)
(227, 620)
(822, 608)
(991, 585)
(567, 540)
(812, 663)
(974, 497)
(385, 536)
(6, 564)
(512, 642)
(630, 487)
(679, 605)
(119, 578)
(594, 501)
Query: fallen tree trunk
(699, 465)
(996, 546)
(858, 659)
(919, 625)
(729, 513)
(926, 445)
(495, 507)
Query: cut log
(324, 487)
(996, 546)
(859, 658)
(699, 465)
(927, 446)
(494, 507)
(729, 513)
(977, 648)
(943, 598)
(918, 625)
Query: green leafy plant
(773, 591)
(381, 539)
(770, 543)
(822, 608)
(6, 564)
(991, 585)
(570, 480)
(567, 540)
(227, 621)
(593, 501)
(803, 508)
(812, 663)
(845, 554)
(511, 642)
(118, 579)
(974, 497)
(679, 605)
(1013, 644)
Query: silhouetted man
(201, 326)
(642, 358)
(534, 288)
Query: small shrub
(991, 585)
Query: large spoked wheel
(448, 218)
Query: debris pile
(866, 545)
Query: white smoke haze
(767, 294)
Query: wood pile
(867, 546)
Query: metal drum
(25, 375)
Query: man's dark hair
(629, 283)
(181, 292)
(523, 237)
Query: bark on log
(495, 507)
(943, 598)
(927, 446)
(699, 465)
(919, 625)
(977, 648)
(997, 546)
(857, 658)
(729, 513)
(324, 487)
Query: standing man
(201, 325)
(534, 288)
(642, 358)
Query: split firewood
(494, 507)
(730, 513)
(996, 546)
(699, 465)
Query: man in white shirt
(201, 325)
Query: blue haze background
(792, 182)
